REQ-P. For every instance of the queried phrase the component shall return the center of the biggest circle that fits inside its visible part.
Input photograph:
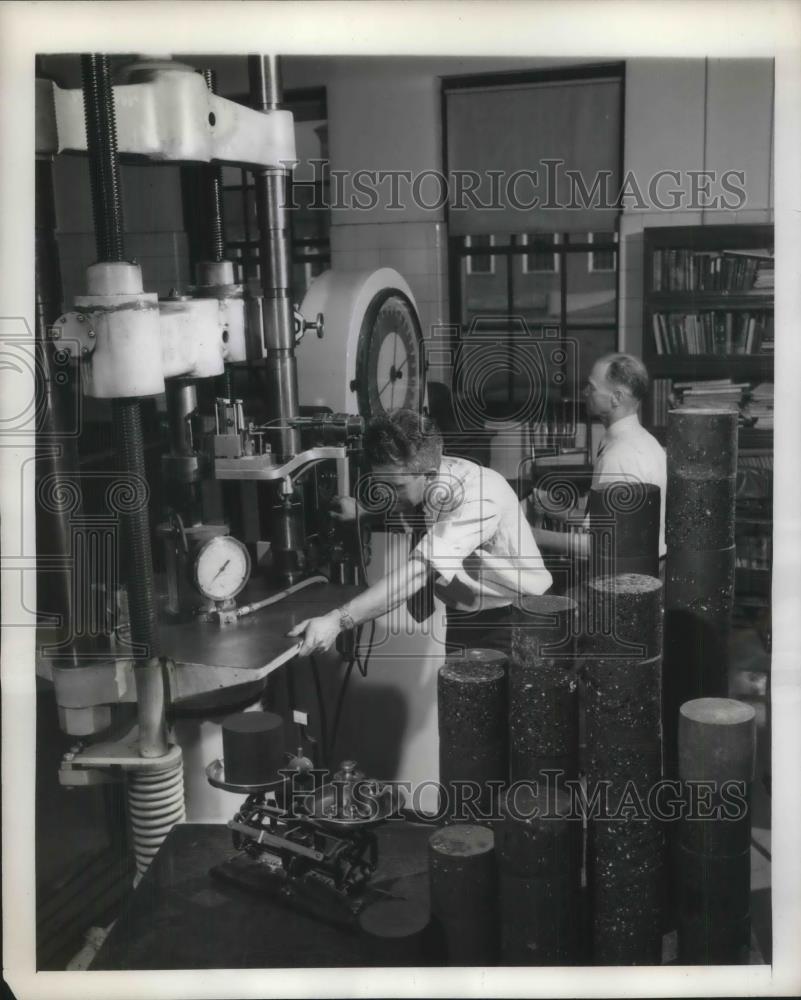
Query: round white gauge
(222, 568)
(389, 355)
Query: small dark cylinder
(464, 894)
(543, 696)
(717, 746)
(394, 932)
(472, 712)
(538, 846)
(624, 529)
(253, 748)
(623, 617)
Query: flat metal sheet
(254, 641)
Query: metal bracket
(170, 117)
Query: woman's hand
(318, 634)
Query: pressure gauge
(222, 568)
(388, 371)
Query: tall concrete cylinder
(464, 894)
(543, 695)
(625, 849)
(699, 581)
(712, 856)
(538, 846)
(472, 714)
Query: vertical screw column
(101, 138)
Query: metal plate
(252, 642)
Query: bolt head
(81, 319)
(92, 334)
(56, 334)
(84, 351)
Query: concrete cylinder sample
(717, 747)
(538, 846)
(472, 713)
(621, 667)
(464, 894)
(699, 576)
(543, 696)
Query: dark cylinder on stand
(543, 696)
(464, 894)
(699, 581)
(624, 528)
(712, 855)
(472, 712)
(538, 848)
(253, 748)
(625, 849)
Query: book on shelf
(753, 552)
(716, 332)
(684, 270)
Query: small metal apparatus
(312, 846)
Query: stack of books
(720, 393)
(760, 406)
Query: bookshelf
(708, 340)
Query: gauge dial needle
(221, 568)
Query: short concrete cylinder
(538, 846)
(626, 883)
(717, 747)
(702, 511)
(472, 713)
(624, 616)
(543, 696)
(464, 894)
(702, 437)
(394, 932)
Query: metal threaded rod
(212, 177)
(141, 597)
(104, 170)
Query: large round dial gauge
(388, 356)
(222, 568)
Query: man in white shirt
(476, 547)
(628, 453)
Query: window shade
(515, 128)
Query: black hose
(318, 687)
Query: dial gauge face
(388, 356)
(222, 568)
